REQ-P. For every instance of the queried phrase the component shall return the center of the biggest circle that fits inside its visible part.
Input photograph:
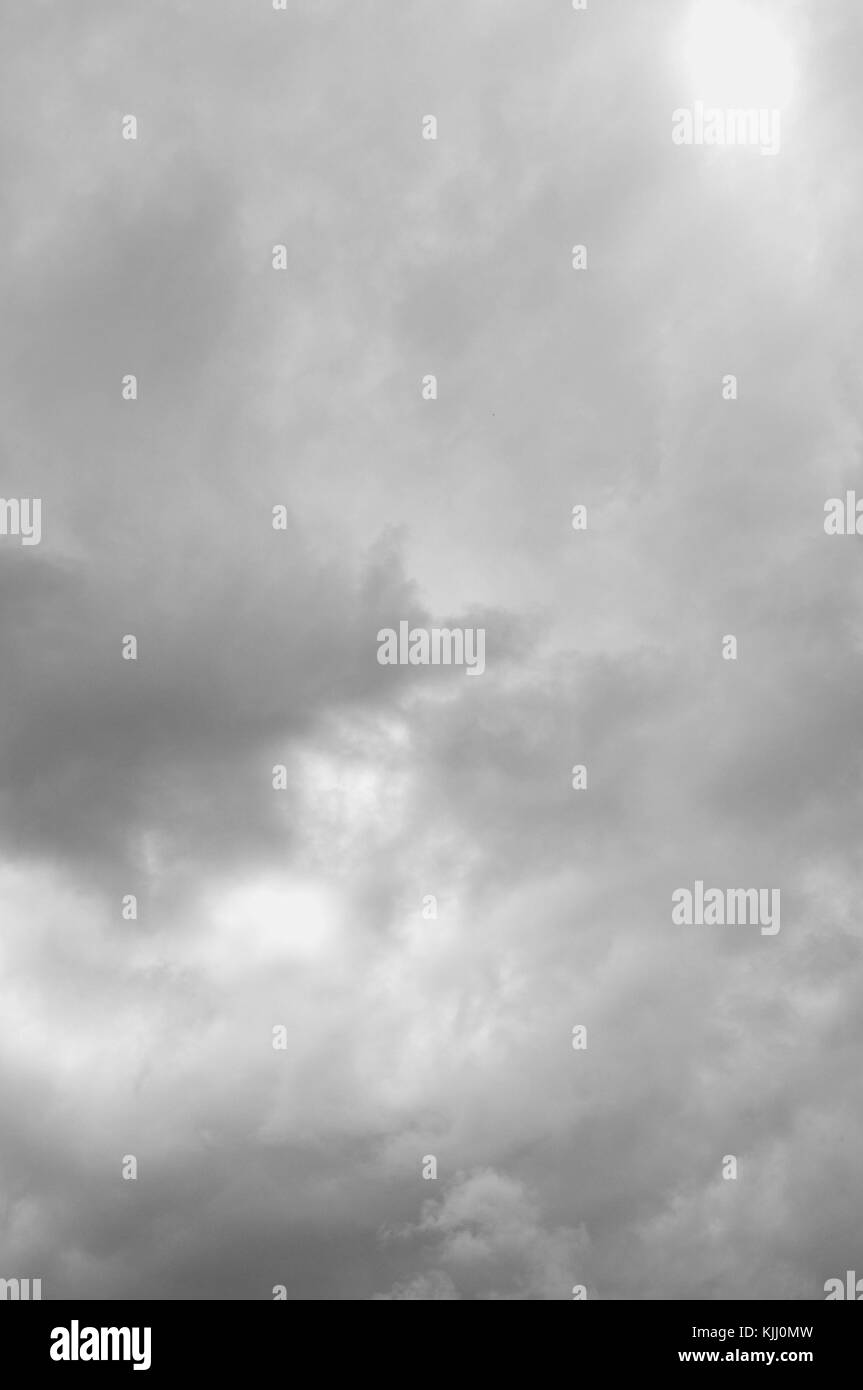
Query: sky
(410, 1036)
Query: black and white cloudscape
(338, 1028)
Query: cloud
(486, 1240)
(411, 1034)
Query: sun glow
(736, 56)
(267, 922)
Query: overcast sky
(410, 1036)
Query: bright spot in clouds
(271, 920)
(736, 55)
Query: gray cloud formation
(303, 908)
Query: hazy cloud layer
(409, 1037)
